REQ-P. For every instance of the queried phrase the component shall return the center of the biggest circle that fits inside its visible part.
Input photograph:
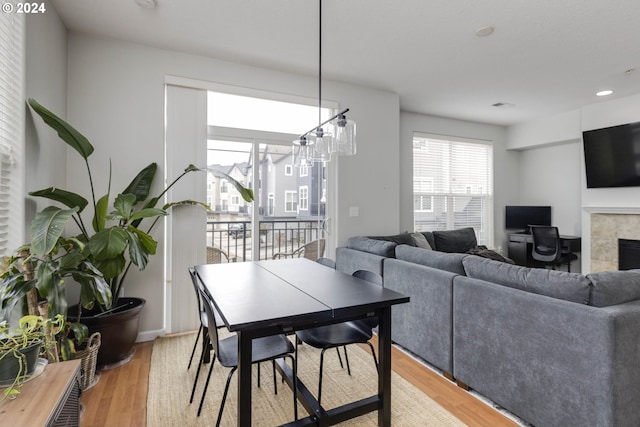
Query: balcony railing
(276, 236)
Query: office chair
(547, 247)
(342, 334)
(226, 351)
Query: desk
(262, 298)
(520, 245)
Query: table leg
(244, 379)
(384, 366)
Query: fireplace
(628, 254)
(607, 226)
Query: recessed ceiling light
(147, 4)
(484, 31)
(604, 93)
(503, 105)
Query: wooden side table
(52, 399)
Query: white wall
(116, 98)
(505, 164)
(46, 81)
(551, 175)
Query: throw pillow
(459, 241)
(420, 241)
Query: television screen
(612, 156)
(521, 217)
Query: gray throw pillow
(420, 241)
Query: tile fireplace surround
(606, 229)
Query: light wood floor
(120, 397)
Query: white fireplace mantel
(612, 210)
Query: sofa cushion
(459, 241)
(400, 239)
(614, 287)
(572, 287)
(429, 258)
(372, 246)
(429, 236)
(420, 241)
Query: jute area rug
(170, 387)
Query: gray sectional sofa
(555, 348)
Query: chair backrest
(369, 276)
(326, 261)
(216, 255)
(546, 243)
(209, 309)
(194, 281)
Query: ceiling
(544, 57)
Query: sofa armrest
(425, 325)
(550, 361)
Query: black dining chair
(204, 324)
(342, 334)
(547, 247)
(226, 352)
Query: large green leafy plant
(117, 238)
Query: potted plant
(37, 273)
(115, 238)
(20, 348)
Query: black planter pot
(10, 365)
(118, 329)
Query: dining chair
(547, 247)
(226, 352)
(312, 250)
(341, 334)
(216, 255)
(204, 323)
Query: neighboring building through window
(453, 186)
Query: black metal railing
(276, 236)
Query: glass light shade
(302, 152)
(322, 146)
(345, 137)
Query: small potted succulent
(21, 347)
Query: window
(288, 170)
(11, 131)
(235, 200)
(290, 201)
(224, 187)
(270, 204)
(304, 170)
(453, 186)
(304, 198)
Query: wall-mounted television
(612, 156)
(521, 217)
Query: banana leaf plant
(117, 238)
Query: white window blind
(453, 186)
(12, 107)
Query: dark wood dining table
(262, 298)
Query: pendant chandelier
(335, 136)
